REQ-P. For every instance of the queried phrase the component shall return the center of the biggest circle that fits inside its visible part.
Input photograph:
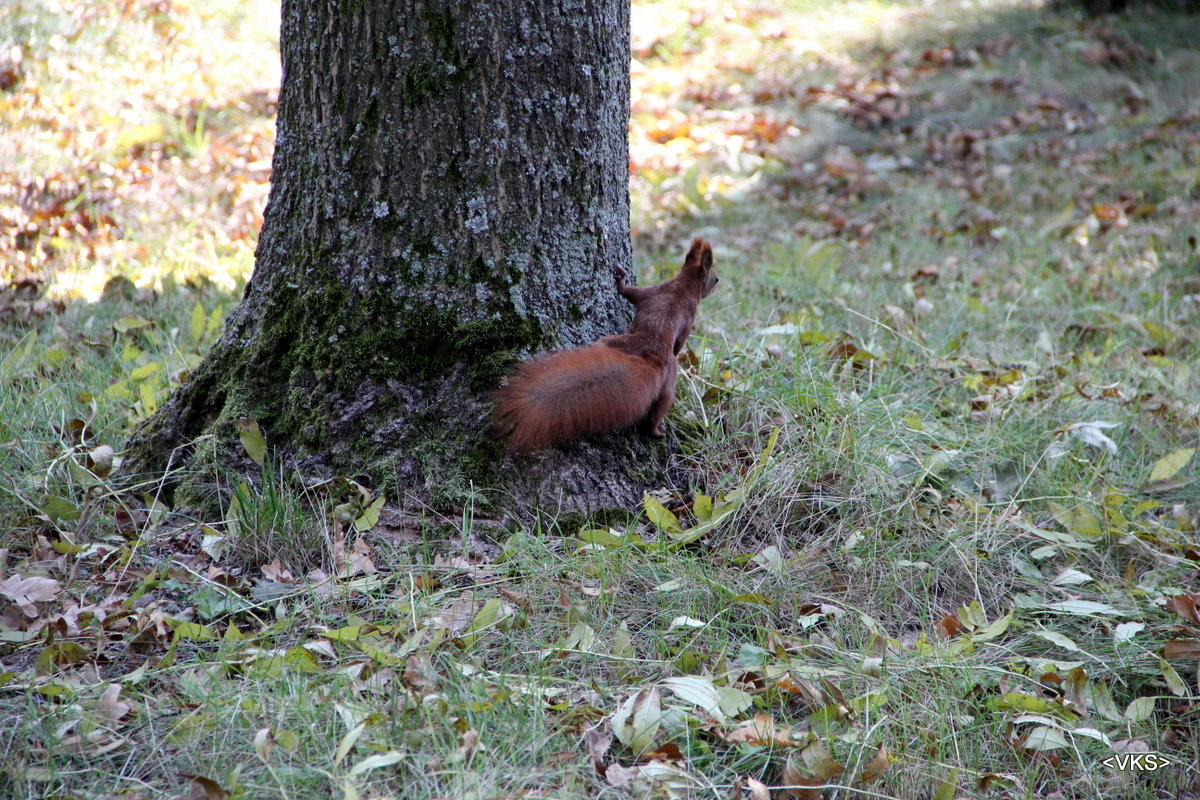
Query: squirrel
(616, 381)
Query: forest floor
(943, 413)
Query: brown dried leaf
(597, 744)
(796, 786)
(467, 744)
(820, 761)
(875, 768)
(763, 730)
(203, 788)
(949, 626)
(1179, 648)
(1130, 746)
(619, 776)
(359, 562)
(277, 573)
(25, 592)
(109, 707)
(100, 460)
(668, 752)
(758, 789)
(459, 614)
(1185, 606)
(420, 672)
(518, 599)
(1076, 690)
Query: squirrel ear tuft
(695, 255)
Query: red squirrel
(618, 380)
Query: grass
(945, 398)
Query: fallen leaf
(758, 789)
(949, 787)
(1092, 433)
(658, 514)
(597, 745)
(1140, 710)
(25, 592)
(697, 691)
(797, 786)
(875, 768)
(820, 761)
(93, 743)
(763, 730)
(619, 776)
(203, 788)
(1045, 738)
(375, 762)
(1185, 605)
(949, 626)
(263, 744)
(635, 723)
(109, 707)
(101, 460)
(1127, 630)
(252, 440)
(1179, 648)
(1168, 466)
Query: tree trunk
(450, 192)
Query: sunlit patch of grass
(716, 90)
(119, 119)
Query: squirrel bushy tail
(575, 393)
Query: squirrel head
(698, 266)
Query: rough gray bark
(450, 191)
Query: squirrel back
(617, 381)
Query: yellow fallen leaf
(1169, 465)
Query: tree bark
(449, 193)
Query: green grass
(953, 238)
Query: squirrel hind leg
(652, 425)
